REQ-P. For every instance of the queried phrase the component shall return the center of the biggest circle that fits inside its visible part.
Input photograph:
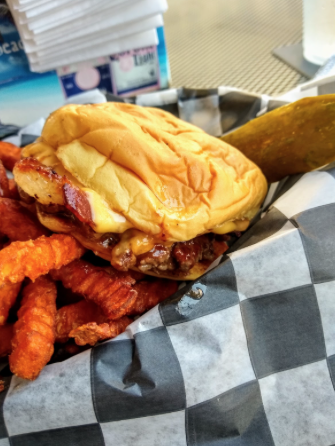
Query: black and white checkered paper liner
(251, 363)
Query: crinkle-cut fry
(150, 294)
(34, 332)
(4, 186)
(8, 295)
(91, 333)
(18, 223)
(113, 294)
(35, 258)
(6, 336)
(130, 275)
(72, 316)
(9, 154)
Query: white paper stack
(61, 32)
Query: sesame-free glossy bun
(168, 178)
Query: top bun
(166, 177)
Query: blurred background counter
(229, 42)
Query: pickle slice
(295, 138)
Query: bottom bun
(60, 225)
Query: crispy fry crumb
(72, 316)
(92, 333)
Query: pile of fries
(50, 294)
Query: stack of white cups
(62, 32)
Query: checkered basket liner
(250, 363)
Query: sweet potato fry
(150, 294)
(4, 186)
(35, 258)
(72, 316)
(34, 332)
(92, 333)
(6, 336)
(8, 295)
(18, 223)
(114, 295)
(13, 190)
(3, 240)
(130, 275)
(9, 154)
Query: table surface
(229, 42)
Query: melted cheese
(134, 241)
(105, 220)
(230, 226)
(141, 243)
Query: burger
(139, 187)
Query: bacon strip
(39, 181)
(76, 201)
(92, 333)
(114, 295)
(9, 154)
(8, 295)
(34, 258)
(6, 336)
(72, 316)
(43, 183)
(34, 332)
(18, 223)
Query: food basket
(244, 356)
